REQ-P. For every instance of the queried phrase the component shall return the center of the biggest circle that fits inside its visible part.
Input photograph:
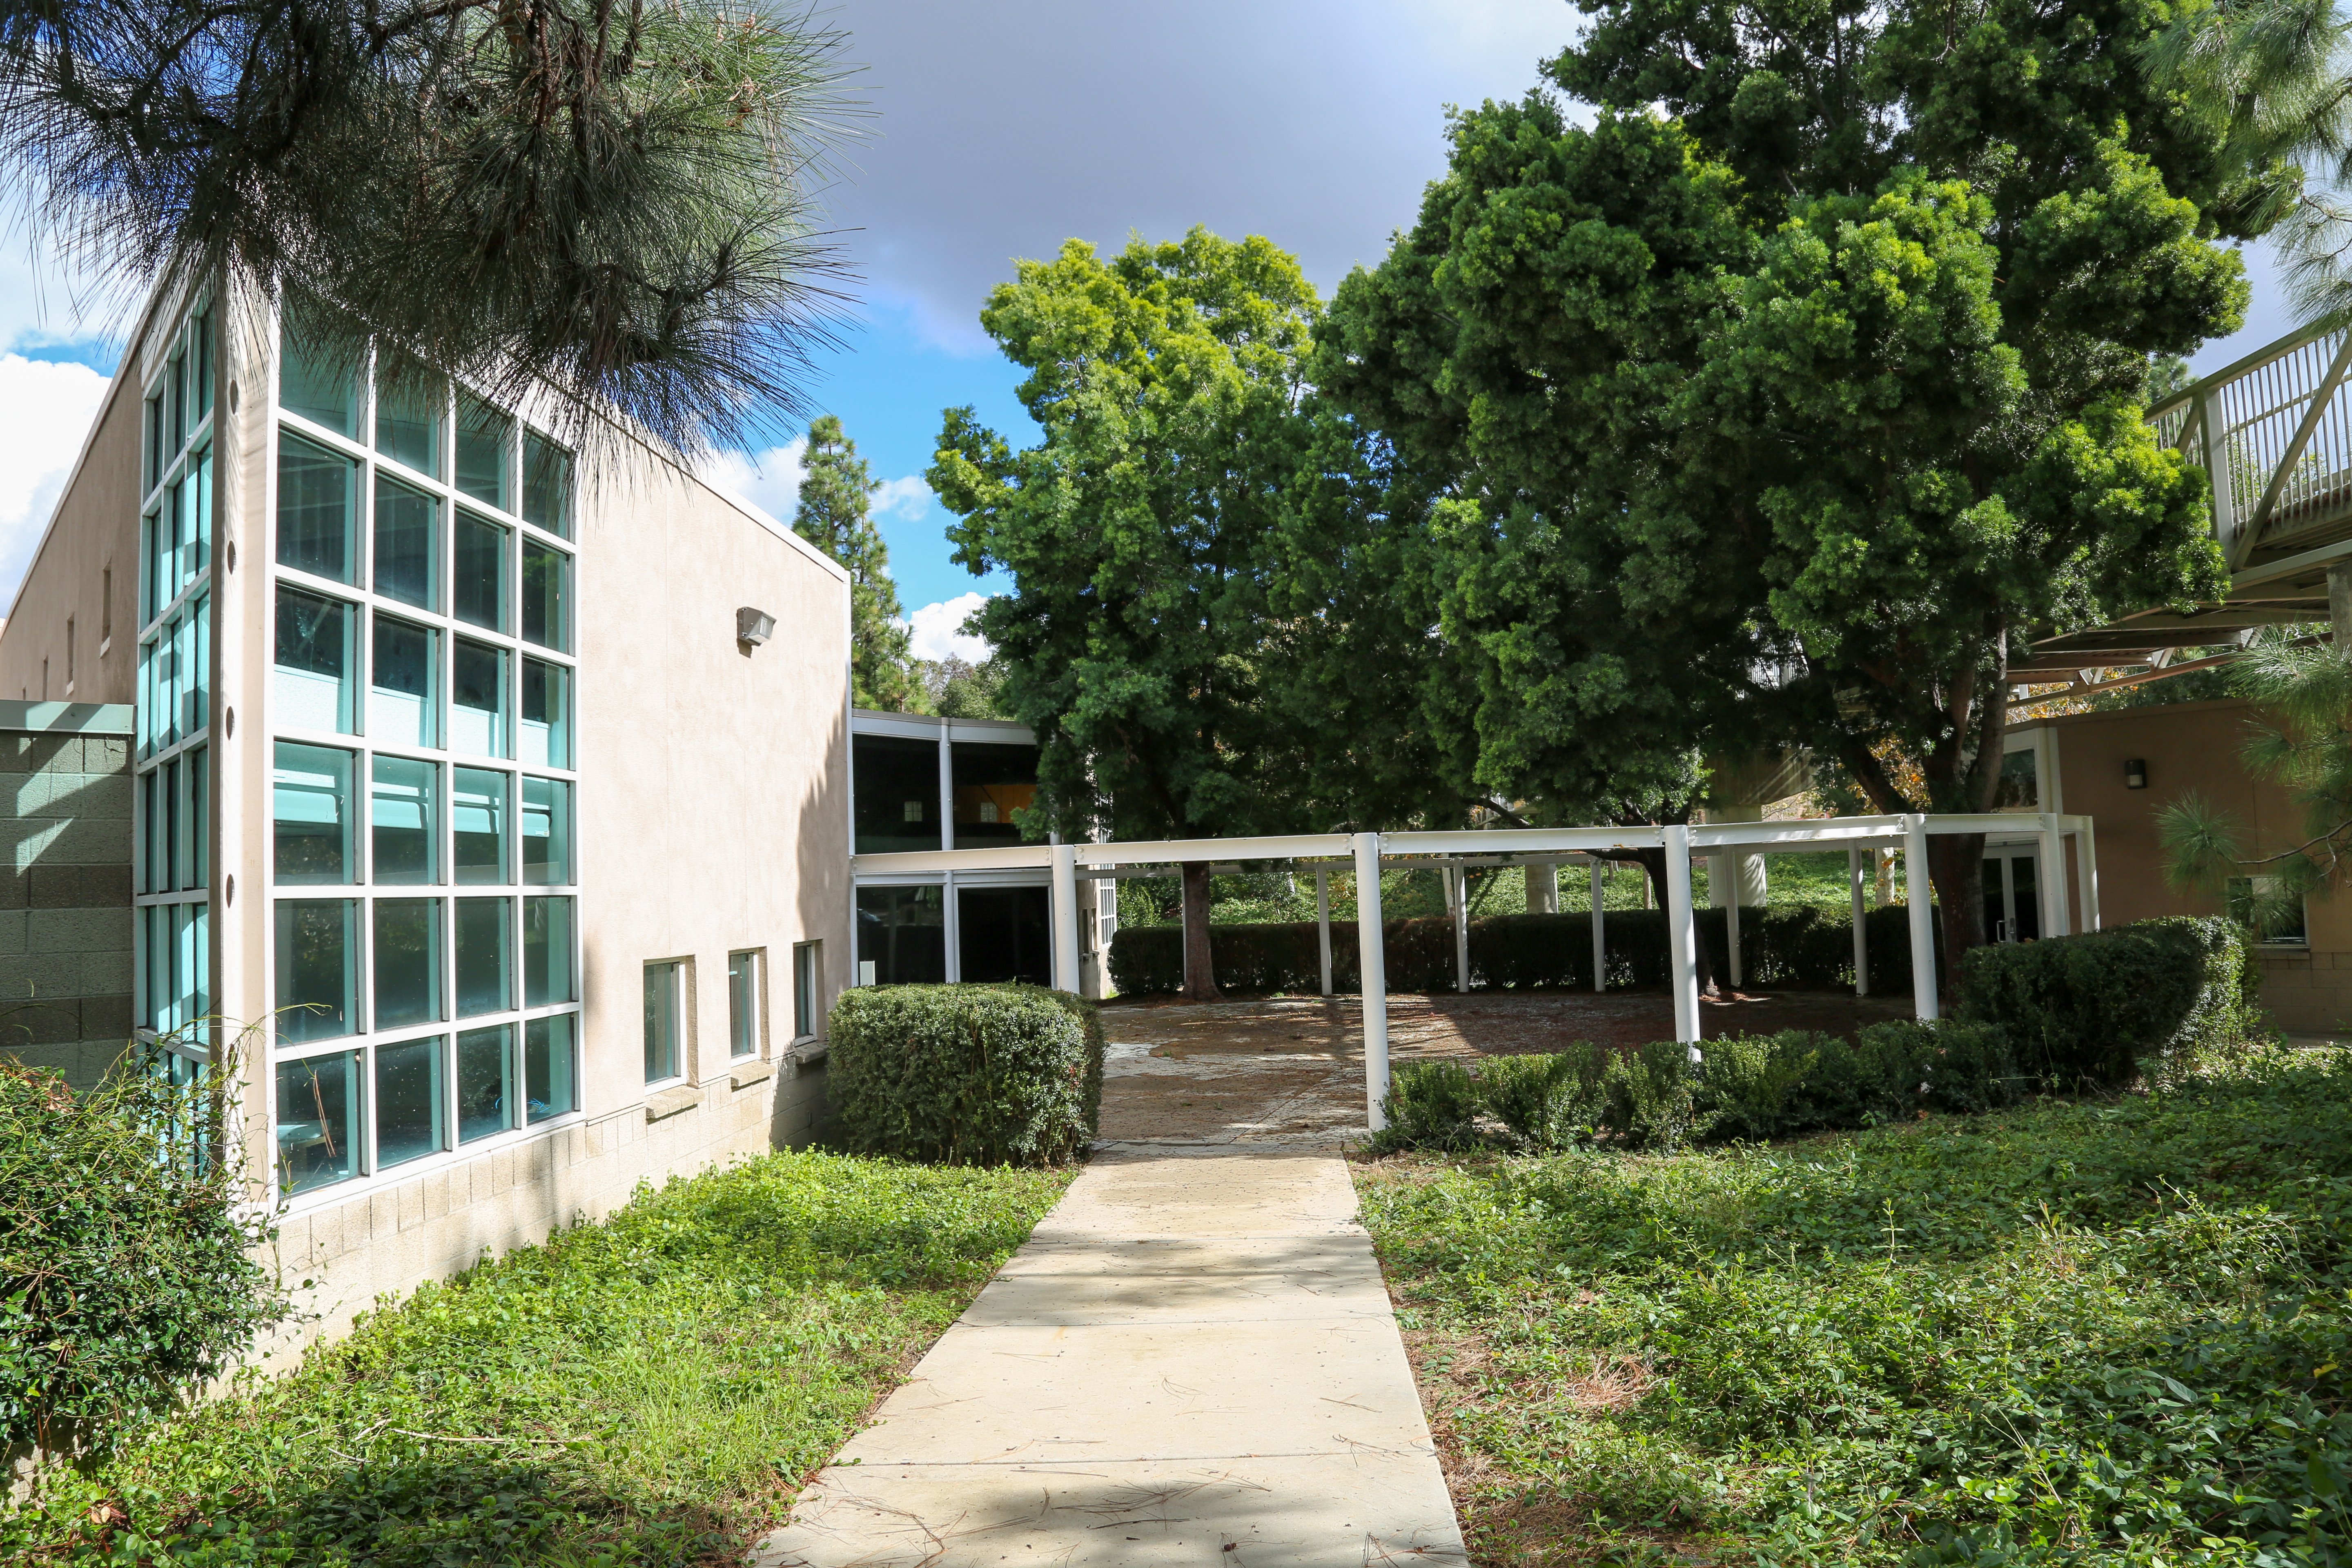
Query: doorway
(1004, 933)
(2011, 897)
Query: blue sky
(990, 133)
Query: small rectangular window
(311, 793)
(403, 814)
(408, 405)
(2276, 915)
(477, 699)
(404, 684)
(485, 442)
(743, 1005)
(407, 543)
(807, 967)
(546, 485)
(407, 962)
(70, 656)
(479, 811)
(485, 1082)
(318, 1122)
(200, 362)
(408, 1100)
(175, 384)
(664, 1021)
(546, 833)
(198, 836)
(317, 509)
(550, 1065)
(547, 952)
(485, 956)
(543, 738)
(546, 596)
(318, 969)
(155, 453)
(311, 687)
(478, 573)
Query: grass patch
(2080, 1333)
(650, 1390)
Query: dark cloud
(1000, 131)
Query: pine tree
(836, 487)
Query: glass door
(2012, 898)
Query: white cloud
(909, 498)
(939, 630)
(771, 481)
(45, 411)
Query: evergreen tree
(836, 489)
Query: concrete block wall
(64, 887)
(390, 1239)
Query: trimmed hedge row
(2081, 1011)
(1803, 946)
(974, 1075)
(1752, 1088)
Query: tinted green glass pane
(314, 380)
(484, 438)
(316, 509)
(477, 699)
(407, 962)
(318, 957)
(550, 1065)
(485, 967)
(311, 687)
(547, 952)
(546, 833)
(310, 794)
(480, 812)
(477, 574)
(408, 1100)
(318, 1122)
(404, 688)
(546, 485)
(403, 811)
(547, 596)
(485, 1082)
(543, 738)
(408, 420)
(407, 541)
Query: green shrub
(983, 1075)
(127, 1266)
(2081, 1011)
(1648, 1097)
(1429, 1105)
(1771, 1085)
(1801, 946)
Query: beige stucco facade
(709, 817)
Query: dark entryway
(1004, 935)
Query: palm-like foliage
(612, 196)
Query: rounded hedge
(980, 1075)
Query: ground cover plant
(647, 1391)
(2108, 1331)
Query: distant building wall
(65, 900)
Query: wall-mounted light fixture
(753, 626)
(2135, 775)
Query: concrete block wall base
(1193, 1361)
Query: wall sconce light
(2135, 775)
(753, 626)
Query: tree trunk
(1654, 862)
(1200, 968)
(1955, 870)
(1543, 890)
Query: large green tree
(834, 513)
(1190, 544)
(1798, 407)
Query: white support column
(1918, 896)
(1065, 919)
(1733, 866)
(1373, 962)
(1599, 937)
(1857, 880)
(2050, 878)
(952, 929)
(1681, 938)
(1457, 881)
(2086, 868)
(1323, 923)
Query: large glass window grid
(171, 781)
(456, 1017)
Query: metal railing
(2276, 433)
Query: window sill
(749, 1071)
(666, 1103)
(808, 1049)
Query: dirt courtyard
(1290, 1069)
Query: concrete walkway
(1191, 1362)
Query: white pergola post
(1065, 919)
(2086, 867)
(1856, 879)
(1682, 937)
(1599, 940)
(1731, 863)
(1458, 883)
(1918, 896)
(1323, 923)
(2051, 879)
(1373, 961)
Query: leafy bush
(127, 1267)
(966, 1073)
(1771, 1085)
(1798, 946)
(1429, 1105)
(2081, 1011)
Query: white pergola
(1452, 853)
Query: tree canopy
(834, 513)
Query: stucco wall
(2195, 748)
